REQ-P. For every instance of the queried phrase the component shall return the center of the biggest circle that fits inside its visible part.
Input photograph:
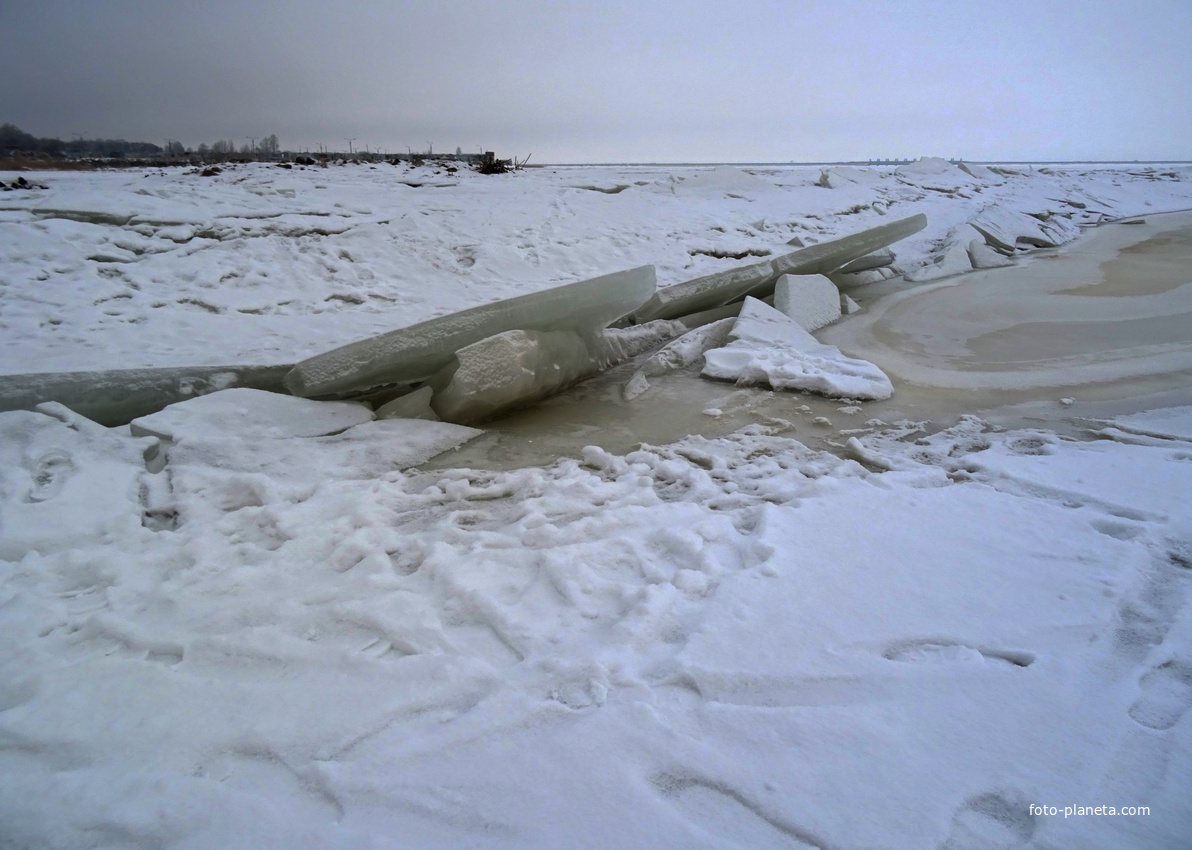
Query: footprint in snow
(721, 810)
(1166, 696)
(950, 652)
(991, 821)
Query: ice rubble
(415, 353)
(486, 360)
(769, 347)
(758, 279)
(1003, 229)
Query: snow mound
(723, 180)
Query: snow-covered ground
(294, 640)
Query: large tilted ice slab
(517, 367)
(770, 348)
(710, 291)
(707, 292)
(810, 299)
(829, 256)
(247, 412)
(414, 353)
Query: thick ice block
(517, 367)
(770, 348)
(704, 293)
(250, 413)
(416, 352)
(810, 299)
(848, 306)
(508, 369)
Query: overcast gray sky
(614, 81)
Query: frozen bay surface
(319, 640)
(261, 265)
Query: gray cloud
(579, 81)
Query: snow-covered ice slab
(246, 469)
(1004, 229)
(843, 176)
(65, 480)
(1172, 423)
(246, 412)
(116, 396)
(810, 299)
(710, 291)
(414, 353)
(769, 347)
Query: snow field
(720, 640)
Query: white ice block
(810, 299)
(416, 352)
(250, 413)
(770, 348)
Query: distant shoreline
(864, 163)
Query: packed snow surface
(281, 628)
(720, 642)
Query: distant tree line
(14, 140)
